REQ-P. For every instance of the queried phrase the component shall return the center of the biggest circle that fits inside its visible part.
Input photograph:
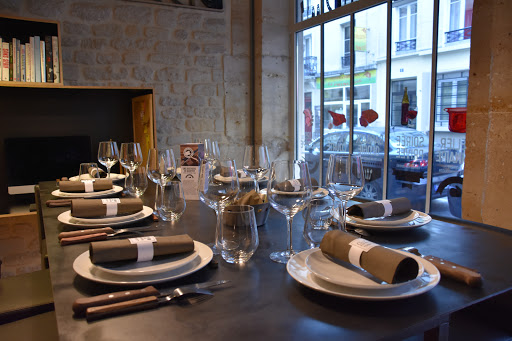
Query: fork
(82, 236)
(184, 296)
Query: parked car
(408, 160)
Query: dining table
(262, 301)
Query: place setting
(105, 212)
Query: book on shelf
(42, 59)
(22, 62)
(18, 61)
(48, 58)
(56, 65)
(14, 64)
(28, 62)
(11, 61)
(37, 59)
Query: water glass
(88, 171)
(139, 181)
(318, 219)
(238, 238)
(171, 203)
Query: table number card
(191, 155)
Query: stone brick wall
(197, 61)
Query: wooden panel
(144, 123)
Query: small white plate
(84, 268)
(115, 189)
(66, 218)
(106, 219)
(349, 275)
(297, 268)
(392, 220)
(153, 267)
(113, 176)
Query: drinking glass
(130, 158)
(318, 218)
(161, 166)
(139, 181)
(289, 191)
(238, 239)
(108, 155)
(211, 149)
(88, 171)
(172, 203)
(256, 163)
(345, 180)
(218, 187)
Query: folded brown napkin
(93, 171)
(251, 198)
(79, 186)
(58, 202)
(89, 208)
(385, 264)
(123, 249)
(294, 185)
(378, 208)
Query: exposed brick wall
(200, 75)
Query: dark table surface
(264, 302)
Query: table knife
(81, 304)
(451, 270)
(91, 235)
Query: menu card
(191, 155)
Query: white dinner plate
(297, 268)
(156, 266)
(66, 218)
(113, 176)
(349, 275)
(392, 220)
(84, 268)
(98, 194)
(421, 220)
(112, 219)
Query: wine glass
(139, 181)
(130, 158)
(218, 187)
(289, 191)
(211, 149)
(345, 180)
(108, 155)
(161, 166)
(256, 163)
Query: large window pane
(410, 107)
(308, 96)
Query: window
(340, 109)
(459, 20)
(407, 27)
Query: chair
(42, 237)
(26, 301)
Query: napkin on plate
(97, 208)
(79, 186)
(383, 263)
(251, 198)
(123, 249)
(380, 208)
(94, 170)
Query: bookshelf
(26, 31)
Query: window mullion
(351, 86)
(321, 175)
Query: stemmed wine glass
(108, 155)
(289, 191)
(130, 158)
(161, 166)
(345, 180)
(218, 187)
(256, 163)
(211, 149)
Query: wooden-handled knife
(451, 270)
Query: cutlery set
(124, 302)
(104, 233)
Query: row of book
(34, 61)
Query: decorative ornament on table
(367, 117)
(337, 119)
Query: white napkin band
(89, 186)
(145, 249)
(358, 246)
(296, 184)
(388, 207)
(111, 206)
